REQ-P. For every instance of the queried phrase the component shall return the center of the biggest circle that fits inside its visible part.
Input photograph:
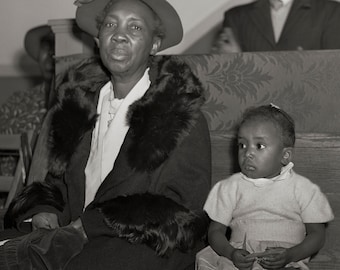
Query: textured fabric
(41, 249)
(23, 111)
(105, 253)
(236, 81)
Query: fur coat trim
(38, 193)
(154, 220)
(158, 121)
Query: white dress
(264, 213)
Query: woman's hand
(241, 260)
(45, 220)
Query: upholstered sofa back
(306, 85)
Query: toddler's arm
(219, 242)
(315, 238)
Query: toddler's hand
(274, 258)
(241, 260)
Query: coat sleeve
(331, 38)
(35, 198)
(151, 219)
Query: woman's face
(126, 38)
(260, 150)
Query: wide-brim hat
(87, 13)
(33, 38)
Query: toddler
(276, 216)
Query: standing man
(274, 25)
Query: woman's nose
(118, 36)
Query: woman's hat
(33, 38)
(88, 11)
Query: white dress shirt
(279, 15)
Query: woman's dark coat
(166, 151)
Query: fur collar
(158, 121)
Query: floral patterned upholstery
(306, 84)
(23, 111)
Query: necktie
(276, 4)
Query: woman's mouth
(118, 54)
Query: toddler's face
(260, 149)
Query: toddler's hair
(277, 116)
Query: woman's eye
(136, 27)
(109, 24)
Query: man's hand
(79, 3)
(45, 220)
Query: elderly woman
(129, 165)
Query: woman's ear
(155, 46)
(287, 155)
(97, 41)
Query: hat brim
(33, 37)
(87, 13)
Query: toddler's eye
(241, 146)
(260, 146)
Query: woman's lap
(118, 254)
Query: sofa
(306, 84)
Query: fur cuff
(38, 193)
(154, 220)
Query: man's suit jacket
(310, 25)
